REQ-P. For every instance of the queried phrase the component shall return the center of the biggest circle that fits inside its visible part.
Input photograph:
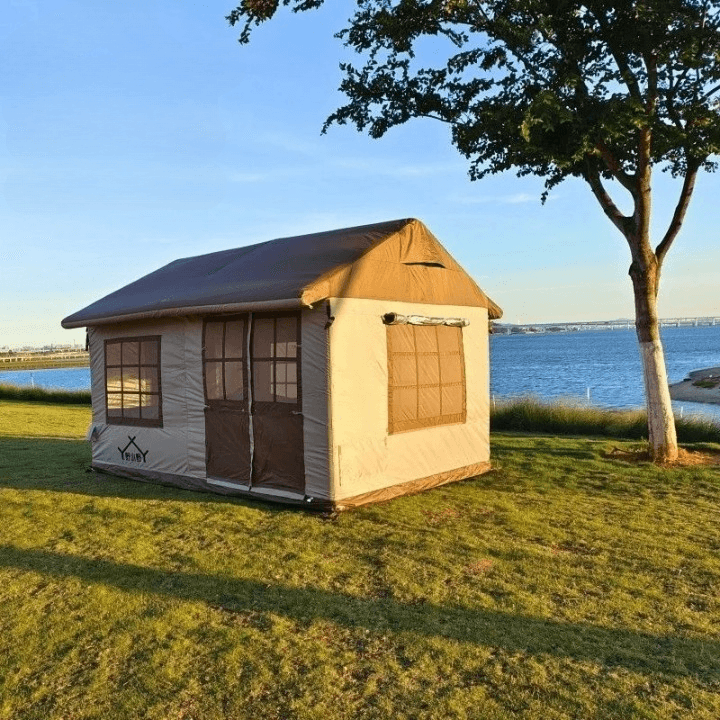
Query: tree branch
(711, 92)
(680, 210)
(670, 102)
(592, 176)
(643, 194)
(650, 60)
(626, 73)
(615, 168)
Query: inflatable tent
(330, 369)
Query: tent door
(277, 422)
(251, 369)
(227, 423)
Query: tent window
(426, 376)
(132, 381)
(275, 359)
(223, 360)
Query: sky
(136, 133)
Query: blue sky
(135, 133)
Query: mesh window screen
(275, 359)
(286, 330)
(264, 338)
(426, 376)
(214, 380)
(235, 339)
(132, 381)
(223, 360)
(263, 381)
(213, 342)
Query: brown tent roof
(396, 260)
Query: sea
(77, 378)
(600, 367)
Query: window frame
(218, 403)
(396, 425)
(266, 404)
(134, 421)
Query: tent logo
(132, 452)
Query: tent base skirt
(215, 487)
(312, 503)
(413, 486)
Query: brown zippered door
(277, 423)
(254, 395)
(225, 378)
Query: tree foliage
(555, 89)
(596, 90)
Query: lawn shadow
(62, 465)
(635, 651)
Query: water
(551, 365)
(565, 365)
(52, 379)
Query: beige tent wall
(365, 457)
(348, 451)
(176, 452)
(314, 379)
(97, 376)
(177, 448)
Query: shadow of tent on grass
(633, 650)
(62, 465)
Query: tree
(597, 90)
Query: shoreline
(43, 365)
(689, 390)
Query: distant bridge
(624, 324)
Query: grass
(37, 394)
(562, 585)
(25, 419)
(527, 414)
(707, 383)
(567, 418)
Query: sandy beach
(700, 386)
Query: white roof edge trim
(257, 306)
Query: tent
(330, 369)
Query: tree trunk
(661, 422)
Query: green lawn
(32, 419)
(562, 585)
